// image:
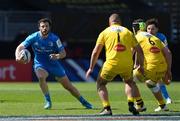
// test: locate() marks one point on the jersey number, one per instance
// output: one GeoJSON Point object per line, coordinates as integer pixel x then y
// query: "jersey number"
{"type": "Point", "coordinates": [153, 49]}
{"type": "Point", "coordinates": [151, 42]}
{"type": "Point", "coordinates": [119, 47]}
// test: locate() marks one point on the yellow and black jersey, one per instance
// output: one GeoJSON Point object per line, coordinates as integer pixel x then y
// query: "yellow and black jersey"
{"type": "Point", "coordinates": [118, 42]}
{"type": "Point", "coordinates": [152, 48]}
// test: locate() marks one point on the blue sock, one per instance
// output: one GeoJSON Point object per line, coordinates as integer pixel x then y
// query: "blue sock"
{"type": "Point", "coordinates": [164, 91]}
{"type": "Point", "coordinates": [47, 97]}
{"type": "Point", "coordinates": [85, 103]}
{"type": "Point", "coordinates": [81, 99]}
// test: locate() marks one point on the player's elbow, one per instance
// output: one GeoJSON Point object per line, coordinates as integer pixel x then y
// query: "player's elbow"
{"type": "Point", "coordinates": [62, 55]}
{"type": "Point", "coordinates": [170, 53]}
{"type": "Point", "coordinates": [95, 54]}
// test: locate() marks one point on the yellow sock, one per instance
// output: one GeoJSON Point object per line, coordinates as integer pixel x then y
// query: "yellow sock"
{"type": "Point", "coordinates": [139, 102]}
{"type": "Point", "coordinates": [106, 103]}
{"type": "Point", "coordinates": [130, 99]}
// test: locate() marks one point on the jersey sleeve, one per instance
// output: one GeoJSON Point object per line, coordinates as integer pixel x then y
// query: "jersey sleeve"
{"type": "Point", "coordinates": [161, 44]}
{"type": "Point", "coordinates": [28, 41]}
{"type": "Point", "coordinates": [100, 39]}
{"type": "Point", "coordinates": [163, 38]}
{"type": "Point", "coordinates": [165, 41]}
{"type": "Point", "coordinates": [59, 45]}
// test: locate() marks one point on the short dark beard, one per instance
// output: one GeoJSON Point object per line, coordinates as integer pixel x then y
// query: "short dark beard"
{"type": "Point", "coordinates": [44, 35]}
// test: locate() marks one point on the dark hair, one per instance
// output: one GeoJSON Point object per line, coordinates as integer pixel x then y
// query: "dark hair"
{"type": "Point", "coordinates": [45, 20]}
{"type": "Point", "coordinates": [138, 21]}
{"type": "Point", "coordinates": [152, 21]}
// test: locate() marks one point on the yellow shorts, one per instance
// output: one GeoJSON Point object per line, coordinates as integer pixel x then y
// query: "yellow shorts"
{"type": "Point", "coordinates": [108, 72]}
{"type": "Point", "coordinates": [154, 76]}
{"type": "Point", "coordinates": [137, 75]}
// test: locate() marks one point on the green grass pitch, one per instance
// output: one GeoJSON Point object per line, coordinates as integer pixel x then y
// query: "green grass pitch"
{"type": "Point", "coordinates": [26, 99]}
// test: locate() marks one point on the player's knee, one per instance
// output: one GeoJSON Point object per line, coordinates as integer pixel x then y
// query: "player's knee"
{"type": "Point", "coordinates": [41, 73]}
{"type": "Point", "coordinates": [155, 89]}
{"type": "Point", "coordinates": [138, 76]}
{"type": "Point", "coordinates": [101, 83]}
{"type": "Point", "coordinates": [152, 86]}
{"type": "Point", "coordinates": [135, 78]}
{"type": "Point", "coordinates": [65, 82]}
{"type": "Point", "coordinates": [68, 87]}
{"type": "Point", "coordinates": [41, 78]}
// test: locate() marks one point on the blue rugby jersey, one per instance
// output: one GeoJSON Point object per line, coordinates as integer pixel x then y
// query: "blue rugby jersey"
{"type": "Point", "coordinates": [163, 38]}
{"type": "Point", "coordinates": [43, 47]}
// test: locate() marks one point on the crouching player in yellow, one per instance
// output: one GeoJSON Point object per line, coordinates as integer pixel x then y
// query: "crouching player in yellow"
{"type": "Point", "coordinates": [157, 62]}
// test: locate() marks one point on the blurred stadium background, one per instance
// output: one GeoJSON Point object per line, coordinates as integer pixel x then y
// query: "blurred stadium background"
{"type": "Point", "coordinates": [78, 23]}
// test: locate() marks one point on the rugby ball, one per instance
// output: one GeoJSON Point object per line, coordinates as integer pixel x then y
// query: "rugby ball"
{"type": "Point", "coordinates": [26, 55]}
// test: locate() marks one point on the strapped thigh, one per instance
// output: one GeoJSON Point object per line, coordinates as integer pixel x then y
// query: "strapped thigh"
{"type": "Point", "coordinates": [41, 72]}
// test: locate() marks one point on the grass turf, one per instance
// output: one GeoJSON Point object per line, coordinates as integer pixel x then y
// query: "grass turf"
{"type": "Point", "coordinates": [26, 99]}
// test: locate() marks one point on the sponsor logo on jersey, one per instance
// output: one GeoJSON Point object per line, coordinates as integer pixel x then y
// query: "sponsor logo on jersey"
{"type": "Point", "coordinates": [120, 48]}
{"type": "Point", "coordinates": [58, 42]}
{"type": "Point", "coordinates": [154, 50]}
{"type": "Point", "coordinates": [117, 28]}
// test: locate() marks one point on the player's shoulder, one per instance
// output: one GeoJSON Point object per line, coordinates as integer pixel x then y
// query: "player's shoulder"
{"type": "Point", "coordinates": [35, 34]}
{"type": "Point", "coordinates": [32, 36]}
{"type": "Point", "coordinates": [161, 36]}
{"type": "Point", "coordinates": [117, 28]}
{"type": "Point", "coordinates": [53, 36]}
{"type": "Point", "coordinates": [144, 34]}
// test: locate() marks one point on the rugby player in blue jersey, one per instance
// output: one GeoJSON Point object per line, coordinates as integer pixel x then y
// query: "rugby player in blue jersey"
{"type": "Point", "coordinates": [48, 50]}
{"type": "Point", "coordinates": [152, 28]}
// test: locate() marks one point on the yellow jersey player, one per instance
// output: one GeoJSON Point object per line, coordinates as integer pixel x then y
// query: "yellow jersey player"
{"type": "Point", "coordinates": [157, 62]}
{"type": "Point", "coordinates": [119, 43]}
{"type": "Point", "coordinates": [152, 28]}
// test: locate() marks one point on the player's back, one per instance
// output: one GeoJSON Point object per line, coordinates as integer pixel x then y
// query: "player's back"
{"type": "Point", "coordinates": [118, 43]}
{"type": "Point", "coordinates": [152, 48]}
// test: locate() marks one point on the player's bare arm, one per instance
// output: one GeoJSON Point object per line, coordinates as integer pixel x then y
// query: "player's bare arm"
{"type": "Point", "coordinates": [168, 56]}
{"type": "Point", "coordinates": [94, 56]}
{"type": "Point", "coordinates": [140, 57]}
{"type": "Point", "coordinates": [60, 55]}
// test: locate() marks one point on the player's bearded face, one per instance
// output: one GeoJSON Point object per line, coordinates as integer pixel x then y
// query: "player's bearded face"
{"type": "Point", "coordinates": [44, 28]}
